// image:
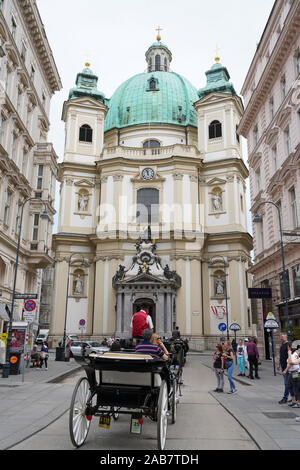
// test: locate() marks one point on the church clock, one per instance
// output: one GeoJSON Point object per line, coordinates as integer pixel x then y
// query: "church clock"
{"type": "Point", "coordinates": [148, 174]}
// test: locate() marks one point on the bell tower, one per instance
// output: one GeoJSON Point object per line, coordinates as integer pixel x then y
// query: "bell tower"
{"type": "Point", "coordinates": [84, 114]}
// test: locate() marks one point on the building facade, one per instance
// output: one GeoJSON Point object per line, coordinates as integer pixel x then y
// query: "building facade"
{"type": "Point", "coordinates": [271, 123]}
{"type": "Point", "coordinates": [28, 163]}
{"type": "Point", "coordinates": [152, 206]}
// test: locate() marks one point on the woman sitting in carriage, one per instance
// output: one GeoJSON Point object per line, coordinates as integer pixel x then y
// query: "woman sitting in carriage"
{"type": "Point", "coordinates": [148, 347]}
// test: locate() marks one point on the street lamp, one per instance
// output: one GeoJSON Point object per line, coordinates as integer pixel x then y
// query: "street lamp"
{"type": "Point", "coordinates": [6, 366]}
{"type": "Point", "coordinates": [84, 264]}
{"type": "Point", "coordinates": [211, 265]}
{"type": "Point", "coordinates": [258, 219]}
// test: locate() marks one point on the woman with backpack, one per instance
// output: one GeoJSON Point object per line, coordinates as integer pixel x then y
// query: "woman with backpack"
{"type": "Point", "coordinates": [218, 368]}
{"type": "Point", "coordinates": [228, 358]}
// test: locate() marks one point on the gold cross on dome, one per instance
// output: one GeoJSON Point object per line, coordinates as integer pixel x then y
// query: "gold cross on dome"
{"type": "Point", "coordinates": [217, 58]}
{"type": "Point", "coordinates": [158, 29]}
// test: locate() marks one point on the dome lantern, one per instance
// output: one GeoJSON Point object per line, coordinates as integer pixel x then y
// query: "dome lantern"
{"type": "Point", "coordinates": [158, 56]}
{"type": "Point", "coordinates": [86, 85]}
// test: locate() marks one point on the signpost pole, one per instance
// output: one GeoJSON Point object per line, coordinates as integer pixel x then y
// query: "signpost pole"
{"type": "Point", "coordinates": [270, 325]}
{"type": "Point", "coordinates": [273, 352]}
{"type": "Point", "coordinates": [235, 348]}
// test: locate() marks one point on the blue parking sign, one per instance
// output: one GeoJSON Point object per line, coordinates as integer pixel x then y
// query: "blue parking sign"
{"type": "Point", "coordinates": [222, 327]}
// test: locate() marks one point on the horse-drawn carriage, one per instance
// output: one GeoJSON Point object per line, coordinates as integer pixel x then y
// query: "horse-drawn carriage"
{"type": "Point", "coordinates": [125, 383]}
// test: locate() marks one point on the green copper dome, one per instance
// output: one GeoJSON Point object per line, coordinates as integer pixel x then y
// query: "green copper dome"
{"type": "Point", "coordinates": [217, 81]}
{"type": "Point", "coordinates": [156, 97]}
{"type": "Point", "coordinates": [86, 85]}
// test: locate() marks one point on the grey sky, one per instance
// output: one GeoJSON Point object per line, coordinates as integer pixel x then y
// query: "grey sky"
{"type": "Point", "coordinates": [115, 34]}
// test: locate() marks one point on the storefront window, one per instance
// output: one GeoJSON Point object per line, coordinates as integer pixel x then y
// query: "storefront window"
{"type": "Point", "coordinates": [287, 285]}
{"type": "Point", "coordinates": [296, 279]}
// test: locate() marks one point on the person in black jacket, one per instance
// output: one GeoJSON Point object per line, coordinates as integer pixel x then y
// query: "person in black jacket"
{"type": "Point", "coordinates": [218, 367]}
{"type": "Point", "coordinates": [281, 363]}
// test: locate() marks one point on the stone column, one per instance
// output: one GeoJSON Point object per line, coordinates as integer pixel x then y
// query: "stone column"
{"type": "Point", "coordinates": [127, 315]}
{"type": "Point", "coordinates": [120, 314]}
{"type": "Point", "coordinates": [168, 315]}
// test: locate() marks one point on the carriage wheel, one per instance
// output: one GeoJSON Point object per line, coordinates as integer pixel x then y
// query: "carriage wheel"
{"type": "Point", "coordinates": [174, 400]}
{"type": "Point", "coordinates": [79, 425]}
{"type": "Point", "coordinates": [162, 416]}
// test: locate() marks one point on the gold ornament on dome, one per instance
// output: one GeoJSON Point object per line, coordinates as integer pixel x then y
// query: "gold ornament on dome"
{"type": "Point", "coordinates": [158, 29]}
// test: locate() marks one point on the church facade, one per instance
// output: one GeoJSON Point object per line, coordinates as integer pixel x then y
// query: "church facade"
{"type": "Point", "coordinates": [152, 207]}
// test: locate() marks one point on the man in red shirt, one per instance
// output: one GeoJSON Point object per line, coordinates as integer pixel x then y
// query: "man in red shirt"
{"type": "Point", "coordinates": [141, 321]}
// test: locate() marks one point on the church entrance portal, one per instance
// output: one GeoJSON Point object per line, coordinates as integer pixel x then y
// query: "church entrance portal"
{"type": "Point", "coordinates": [150, 307]}
{"type": "Point", "coordinates": [146, 282]}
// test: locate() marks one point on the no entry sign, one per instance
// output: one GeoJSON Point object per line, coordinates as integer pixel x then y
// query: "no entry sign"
{"type": "Point", "coordinates": [30, 305]}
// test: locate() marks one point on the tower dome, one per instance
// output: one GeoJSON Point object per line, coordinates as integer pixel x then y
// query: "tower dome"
{"type": "Point", "coordinates": [157, 96]}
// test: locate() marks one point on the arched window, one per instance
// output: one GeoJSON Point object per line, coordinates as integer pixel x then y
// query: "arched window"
{"type": "Point", "coordinates": [151, 144]}
{"type": "Point", "coordinates": [86, 133]}
{"type": "Point", "coordinates": [215, 130]}
{"type": "Point", "coordinates": [152, 84]}
{"type": "Point", "coordinates": [157, 62]}
{"type": "Point", "coordinates": [166, 64]}
{"type": "Point", "coordinates": [147, 206]}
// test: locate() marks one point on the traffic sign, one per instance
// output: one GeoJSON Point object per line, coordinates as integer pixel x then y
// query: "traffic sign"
{"type": "Point", "coordinates": [29, 316]}
{"type": "Point", "coordinates": [222, 327]}
{"type": "Point", "coordinates": [82, 322]}
{"type": "Point", "coordinates": [30, 305]}
{"type": "Point", "coordinates": [235, 327]}
{"type": "Point", "coordinates": [26, 296]}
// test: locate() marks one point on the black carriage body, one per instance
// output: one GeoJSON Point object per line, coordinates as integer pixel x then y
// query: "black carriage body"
{"type": "Point", "coordinates": [121, 394]}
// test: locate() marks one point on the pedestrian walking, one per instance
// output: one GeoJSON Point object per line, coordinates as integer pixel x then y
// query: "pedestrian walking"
{"type": "Point", "coordinates": [176, 333]}
{"type": "Point", "coordinates": [229, 364]}
{"type": "Point", "coordinates": [218, 368]}
{"type": "Point", "coordinates": [44, 355]}
{"type": "Point", "coordinates": [281, 364]}
{"type": "Point", "coordinates": [242, 356]}
{"type": "Point", "coordinates": [292, 371]}
{"type": "Point", "coordinates": [253, 357]}
{"type": "Point", "coordinates": [246, 341]}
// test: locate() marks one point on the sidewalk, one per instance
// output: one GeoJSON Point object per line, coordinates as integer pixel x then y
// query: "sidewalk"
{"type": "Point", "coordinates": [255, 406]}
{"type": "Point", "coordinates": [29, 406]}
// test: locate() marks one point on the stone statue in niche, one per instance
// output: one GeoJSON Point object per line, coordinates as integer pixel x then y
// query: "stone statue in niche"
{"type": "Point", "coordinates": [83, 201]}
{"type": "Point", "coordinates": [217, 203]}
{"type": "Point", "coordinates": [220, 286]}
{"type": "Point", "coordinates": [78, 284]}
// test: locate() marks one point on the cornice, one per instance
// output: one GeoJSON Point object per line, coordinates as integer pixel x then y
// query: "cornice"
{"type": "Point", "coordinates": [130, 162]}
{"type": "Point", "coordinates": [227, 163]}
{"type": "Point", "coordinates": [39, 40]}
{"type": "Point", "coordinates": [269, 76]}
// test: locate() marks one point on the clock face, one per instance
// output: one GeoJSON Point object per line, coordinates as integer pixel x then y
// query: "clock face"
{"type": "Point", "coordinates": [148, 174]}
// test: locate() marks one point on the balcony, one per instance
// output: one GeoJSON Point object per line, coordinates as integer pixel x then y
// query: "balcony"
{"type": "Point", "coordinates": [39, 258]}
{"type": "Point", "coordinates": [151, 153]}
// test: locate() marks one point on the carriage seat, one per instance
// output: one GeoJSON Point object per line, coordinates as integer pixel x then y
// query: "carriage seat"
{"type": "Point", "coordinates": [116, 377]}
